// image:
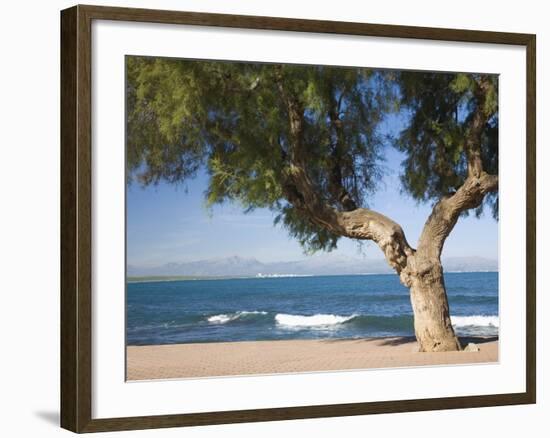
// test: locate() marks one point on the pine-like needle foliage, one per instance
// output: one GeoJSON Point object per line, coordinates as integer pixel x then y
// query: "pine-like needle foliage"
{"type": "Point", "coordinates": [232, 119]}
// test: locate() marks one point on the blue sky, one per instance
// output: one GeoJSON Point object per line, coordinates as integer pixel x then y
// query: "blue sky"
{"type": "Point", "coordinates": [168, 223]}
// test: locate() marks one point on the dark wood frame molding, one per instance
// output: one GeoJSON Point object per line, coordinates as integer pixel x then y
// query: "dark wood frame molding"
{"type": "Point", "coordinates": [76, 225]}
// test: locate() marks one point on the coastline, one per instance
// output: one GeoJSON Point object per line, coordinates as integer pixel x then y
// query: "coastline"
{"type": "Point", "coordinates": [170, 278]}
{"type": "Point", "coordinates": [158, 279]}
{"type": "Point", "coordinates": [172, 361]}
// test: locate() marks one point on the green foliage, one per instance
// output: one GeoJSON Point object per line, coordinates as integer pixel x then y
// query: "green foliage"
{"type": "Point", "coordinates": [231, 119]}
{"type": "Point", "coordinates": [461, 83]}
{"type": "Point", "coordinates": [438, 109]}
{"type": "Point", "coordinates": [310, 237]}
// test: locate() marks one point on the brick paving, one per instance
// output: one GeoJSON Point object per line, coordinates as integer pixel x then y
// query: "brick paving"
{"type": "Point", "coordinates": [271, 357]}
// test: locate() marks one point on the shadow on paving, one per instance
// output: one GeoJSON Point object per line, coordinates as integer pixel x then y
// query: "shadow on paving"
{"type": "Point", "coordinates": [401, 340]}
{"type": "Point", "coordinates": [464, 340]}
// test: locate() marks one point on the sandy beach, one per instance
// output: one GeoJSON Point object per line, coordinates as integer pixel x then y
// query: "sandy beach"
{"type": "Point", "coordinates": [270, 357]}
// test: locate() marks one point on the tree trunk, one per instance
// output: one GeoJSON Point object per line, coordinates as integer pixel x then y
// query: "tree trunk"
{"type": "Point", "coordinates": [432, 323]}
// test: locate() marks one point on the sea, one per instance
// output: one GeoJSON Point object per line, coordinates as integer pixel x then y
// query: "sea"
{"type": "Point", "coordinates": [308, 307]}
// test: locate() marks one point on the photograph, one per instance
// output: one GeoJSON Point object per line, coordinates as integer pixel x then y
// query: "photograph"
{"type": "Point", "coordinates": [271, 220]}
{"type": "Point", "coordinates": [288, 217]}
{"type": "Point", "coordinates": [291, 218]}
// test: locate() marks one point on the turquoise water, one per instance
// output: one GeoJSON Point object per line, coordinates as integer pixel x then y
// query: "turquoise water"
{"type": "Point", "coordinates": [346, 306]}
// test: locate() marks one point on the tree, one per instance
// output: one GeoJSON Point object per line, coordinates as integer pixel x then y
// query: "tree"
{"type": "Point", "coordinates": [307, 143]}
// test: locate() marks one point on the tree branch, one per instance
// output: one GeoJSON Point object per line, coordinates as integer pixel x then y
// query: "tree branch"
{"type": "Point", "coordinates": [447, 211]}
{"type": "Point", "coordinates": [335, 183]}
{"type": "Point", "coordinates": [470, 195]}
{"type": "Point", "coordinates": [360, 223]}
{"type": "Point", "coordinates": [477, 124]}
{"type": "Point", "coordinates": [366, 224]}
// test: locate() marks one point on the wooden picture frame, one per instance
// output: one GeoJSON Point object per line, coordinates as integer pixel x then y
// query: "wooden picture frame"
{"type": "Point", "coordinates": [76, 218]}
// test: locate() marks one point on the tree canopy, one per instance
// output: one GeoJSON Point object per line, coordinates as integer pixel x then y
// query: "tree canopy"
{"type": "Point", "coordinates": [441, 108]}
{"type": "Point", "coordinates": [242, 122]}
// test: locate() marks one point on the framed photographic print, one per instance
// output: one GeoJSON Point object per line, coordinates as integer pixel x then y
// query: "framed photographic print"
{"type": "Point", "coordinates": [268, 218]}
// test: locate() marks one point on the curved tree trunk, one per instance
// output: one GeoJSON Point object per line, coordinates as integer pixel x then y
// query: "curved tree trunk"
{"type": "Point", "coordinates": [432, 323]}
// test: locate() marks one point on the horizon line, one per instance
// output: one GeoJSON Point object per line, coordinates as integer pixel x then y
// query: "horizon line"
{"type": "Point", "coordinates": [253, 258]}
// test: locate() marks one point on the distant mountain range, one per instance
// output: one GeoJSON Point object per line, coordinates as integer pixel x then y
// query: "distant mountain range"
{"type": "Point", "coordinates": [326, 264]}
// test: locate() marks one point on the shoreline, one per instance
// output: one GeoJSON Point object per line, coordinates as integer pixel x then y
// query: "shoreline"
{"type": "Point", "coordinates": [159, 279]}
{"type": "Point", "coordinates": [169, 278]}
{"type": "Point", "coordinates": [172, 361]}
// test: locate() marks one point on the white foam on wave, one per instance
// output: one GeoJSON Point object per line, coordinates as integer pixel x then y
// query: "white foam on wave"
{"type": "Point", "coordinates": [227, 317]}
{"type": "Point", "coordinates": [475, 320]}
{"type": "Point", "coordinates": [222, 319]}
{"type": "Point", "coordinates": [319, 320]}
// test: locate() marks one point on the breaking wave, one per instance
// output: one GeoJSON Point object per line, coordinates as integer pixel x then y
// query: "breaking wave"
{"type": "Point", "coordinates": [228, 317]}
{"type": "Point", "coordinates": [319, 320]}
{"type": "Point", "coordinates": [475, 320]}
{"type": "Point", "coordinates": [464, 325]}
